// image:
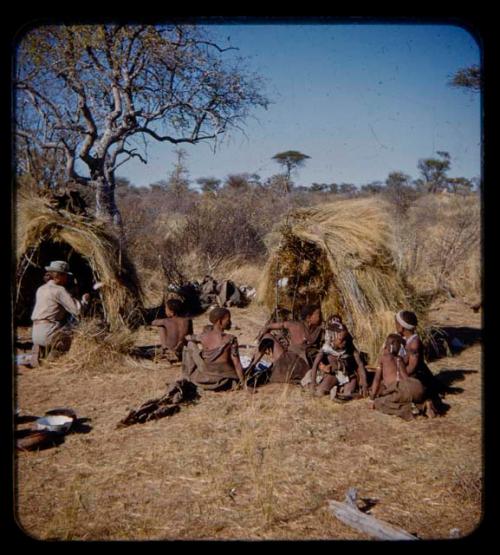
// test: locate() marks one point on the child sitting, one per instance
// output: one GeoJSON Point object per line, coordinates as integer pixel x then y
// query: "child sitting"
{"type": "Point", "coordinates": [173, 330]}
{"type": "Point", "coordinates": [393, 391]}
{"type": "Point", "coordinates": [339, 364]}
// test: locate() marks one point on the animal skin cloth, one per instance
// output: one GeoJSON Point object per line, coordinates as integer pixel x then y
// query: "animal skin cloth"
{"type": "Point", "coordinates": [398, 397]}
{"type": "Point", "coordinates": [199, 367]}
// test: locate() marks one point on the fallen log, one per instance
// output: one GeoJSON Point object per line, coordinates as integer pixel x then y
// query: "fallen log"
{"type": "Point", "coordinates": [348, 513]}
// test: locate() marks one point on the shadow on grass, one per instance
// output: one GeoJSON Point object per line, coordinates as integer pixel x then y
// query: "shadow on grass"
{"type": "Point", "coordinates": [149, 352]}
{"type": "Point", "coordinates": [448, 377]}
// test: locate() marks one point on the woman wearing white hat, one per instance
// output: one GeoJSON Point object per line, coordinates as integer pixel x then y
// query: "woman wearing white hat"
{"type": "Point", "coordinates": [53, 303]}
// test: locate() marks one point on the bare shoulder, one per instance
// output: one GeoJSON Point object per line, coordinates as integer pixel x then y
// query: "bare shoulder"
{"type": "Point", "coordinates": [415, 340]}
{"type": "Point", "coordinates": [414, 345]}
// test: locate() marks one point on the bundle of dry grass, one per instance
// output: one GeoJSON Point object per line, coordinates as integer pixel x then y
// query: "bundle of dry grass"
{"type": "Point", "coordinates": [96, 349]}
{"type": "Point", "coordinates": [94, 252]}
{"type": "Point", "coordinates": [339, 255]}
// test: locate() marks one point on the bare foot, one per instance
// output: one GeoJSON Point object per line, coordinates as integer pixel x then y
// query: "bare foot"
{"type": "Point", "coordinates": [430, 410]}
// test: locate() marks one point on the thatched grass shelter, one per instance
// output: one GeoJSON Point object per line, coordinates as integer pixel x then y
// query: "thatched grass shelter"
{"type": "Point", "coordinates": [93, 251]}
{"type": "Point", "coordinates": [339, 255]}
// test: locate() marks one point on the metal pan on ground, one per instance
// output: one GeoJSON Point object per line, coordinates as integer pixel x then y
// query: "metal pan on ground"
{"type": "Point", "coordinates": [62, 410]}
{"type": "Point", "coordinates": [59, 423]}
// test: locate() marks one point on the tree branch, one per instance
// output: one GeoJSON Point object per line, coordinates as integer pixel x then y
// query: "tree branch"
{"type": "Point", "coordinates": [170, 139]}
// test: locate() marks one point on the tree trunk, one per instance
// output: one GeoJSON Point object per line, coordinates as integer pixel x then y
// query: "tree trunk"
{"type": "Point", "coordinates": [106, 208]}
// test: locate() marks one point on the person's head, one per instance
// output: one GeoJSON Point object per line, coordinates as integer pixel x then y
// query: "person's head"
{"type": "Point", "coordinates": [335, 319]}
{"type": "Point", "coordinates": [393, 343]}
{"type": "Point", "coordinates": [311, 314]}
{"type": "Point", "coordinates": [58, 271]}
{"type": "Point", "coordinates": [173, 307]}
{"type": "Point", "coordinates": [406, 321]}
{"type": "Point", "coordinates": [338, 336]}
{"type": "Point", "coordinates": [222, 317]}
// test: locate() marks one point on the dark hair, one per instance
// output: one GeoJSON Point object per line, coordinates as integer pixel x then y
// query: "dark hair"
{"type": "Point", "coordinates": [394, 340]}
{"type": "Point", "coordinates": [409, 317]}
{"type": "Point", "coordinates": [217, 314]}
{"type": "Point", "coordinates": [307, 310]}
{"type": "Point", "coordinates": [175, 305]}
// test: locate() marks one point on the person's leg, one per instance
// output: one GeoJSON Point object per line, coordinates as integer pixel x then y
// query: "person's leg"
{"type": "Point", "coordinates": [36, 354]}
{"type": "Point", "coordinates": [430, 409]}
{"type": "Point", "coordinates": [349, 387]}
{"type": "Point", "coordinates": [328, 381]}
{"type": "Point", "coordinates": [40, 337]}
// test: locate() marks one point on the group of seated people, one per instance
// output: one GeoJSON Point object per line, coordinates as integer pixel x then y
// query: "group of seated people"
{"type": "Point", "coordinates": [319, 355]}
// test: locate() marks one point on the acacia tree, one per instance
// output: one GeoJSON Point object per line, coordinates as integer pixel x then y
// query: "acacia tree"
{"type": "Point", "coordinates": [290, 160]}
{"type": "Point", "coordinates": [434, 171]}
{"type": "Point", "coordinates": [97, 93]}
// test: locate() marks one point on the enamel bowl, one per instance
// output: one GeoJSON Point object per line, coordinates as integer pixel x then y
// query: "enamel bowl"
{"type": "Point", "coordinates": [54, 423]}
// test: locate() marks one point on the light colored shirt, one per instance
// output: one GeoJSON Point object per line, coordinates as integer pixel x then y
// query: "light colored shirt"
{"type": "Point", "coordinates": [53, 302]}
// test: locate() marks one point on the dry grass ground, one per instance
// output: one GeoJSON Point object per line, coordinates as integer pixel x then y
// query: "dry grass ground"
{"type": "Point", "coordinates": [242, 466]}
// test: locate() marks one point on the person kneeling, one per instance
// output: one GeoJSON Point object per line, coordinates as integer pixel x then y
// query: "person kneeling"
{"type": "Point", "coordinates": [53, 305]}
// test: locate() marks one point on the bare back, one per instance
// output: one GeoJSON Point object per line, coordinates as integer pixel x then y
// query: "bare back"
{"type": "Point", "coordinates": [213, 341]}
{"type": "Point", "coordinates": [300, 335]}
{"type": "Point", "coordinates": [393, 369]}
{"type": "Point", "coordinates": [176, 329]}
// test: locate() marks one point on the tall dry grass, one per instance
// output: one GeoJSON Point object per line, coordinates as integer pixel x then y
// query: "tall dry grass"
{"type": "Point", "coordinates": [438, 245]}
{"type": "Point", "coordinates": [340, 255]}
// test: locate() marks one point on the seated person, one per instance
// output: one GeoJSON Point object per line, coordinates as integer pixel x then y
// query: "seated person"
{"type": "Point", "coordinates": [339, 365]}
{"type": "Point", "coordinates": [173, 330]}
{"type": "Point", "coordinates": [208, 292]}
{"type": "Point", "coordinates": [291, 345]}
{"type": "Point", "coordinates": [217, 366]}
{"type": "Point", "coordinates": [53, 305]}
{"type": "Point", "coordinates": [393, 391]}
{"type": "Point", "coordinates": [412, 352]}
{"type": "Point", "coordinates": [228, 294]}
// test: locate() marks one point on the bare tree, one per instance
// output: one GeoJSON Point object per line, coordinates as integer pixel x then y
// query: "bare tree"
{"type": "Point", "coordinates": [97, 93]}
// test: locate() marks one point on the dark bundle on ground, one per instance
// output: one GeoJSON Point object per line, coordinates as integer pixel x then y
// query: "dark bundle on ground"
{"type": "Point", "coordinates": [46, 232]}
{"type": "Point", "coordinates": [181, 391]}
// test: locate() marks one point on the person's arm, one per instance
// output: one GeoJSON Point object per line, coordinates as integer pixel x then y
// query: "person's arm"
{"type": "Point", "coordinates": [361, 372]}
{"type": "Point", "coordinates": [271, 326]}
{"type": "Point", "coordinates": [413, 357]}
{"type": "Point", "coordinates": [235, 357]}
{"type": "Point", "coordinates": [403, 372]}
{"type": "Point", "coordinates": [314, 370]}
{"type": "Point", "coordinates": [69, 303]}
{"type": "Point", "coordinates": [376, 381]}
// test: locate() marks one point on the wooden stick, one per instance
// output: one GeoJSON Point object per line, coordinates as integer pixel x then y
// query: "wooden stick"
{"type": "Point", "coordinates": [349, 514]}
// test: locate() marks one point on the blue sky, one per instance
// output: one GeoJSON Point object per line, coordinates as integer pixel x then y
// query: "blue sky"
{"type": "Point", "coordinates": [360, 100]}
